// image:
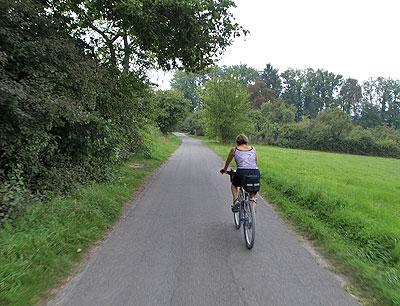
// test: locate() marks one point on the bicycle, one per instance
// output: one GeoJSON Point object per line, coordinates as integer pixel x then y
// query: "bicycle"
{"type": "Point", "coordinates": [246, 215]}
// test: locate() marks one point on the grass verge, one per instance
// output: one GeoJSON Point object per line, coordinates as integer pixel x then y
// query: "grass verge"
{"type": "Point", "coordinates": [45, 243]}
{"type": "Point", "coordinates": [348, 205]}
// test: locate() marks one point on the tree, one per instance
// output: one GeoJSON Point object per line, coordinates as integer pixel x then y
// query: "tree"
{"type": "Point", "coordinates": [270, 77]}
{"type": "Point", "coordinates": [171, 108]}
{"type": "Point", "coordinates": [293, 86]}
{"type": "Point", "coordinates": [310, 91]}
{"type": "Point", "coordinates": [188, 84]}
{"type": "Point", "coordinates": [260, 93]}
{"type": "Point", "coordinates": [278, 112]}
{"type": "Point", "coordinates": [226, 107]}
{"type": "Point", "coordinates": [350, 97]}
{"type": "Point", "coordinates": [320, 91]}
{"type": "Point", "coordinates": [329, 129]}
{"type": "Point", "coordinates": [193, 124]}
{"type": "Point", "coordinates": [385, 95]}
{"type": "Point", "coordinates": [370, 116]}
{"type": "Point", "coordinates": [176, 34]}
{"type": "Point", "coordinates": [246, 75]}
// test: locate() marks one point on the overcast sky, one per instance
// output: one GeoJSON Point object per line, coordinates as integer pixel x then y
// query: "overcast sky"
{"type": "Point", "coordinates": [354, 38]}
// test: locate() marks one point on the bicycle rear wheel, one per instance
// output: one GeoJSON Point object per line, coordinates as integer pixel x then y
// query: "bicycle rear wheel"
{"type": "Point", "coordinates": [249, 226]}
{"type": "Point", "coordinates": [237, 216]}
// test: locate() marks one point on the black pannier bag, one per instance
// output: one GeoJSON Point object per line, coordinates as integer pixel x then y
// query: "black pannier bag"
{"type": "Point", "coordinates": [251, 183]}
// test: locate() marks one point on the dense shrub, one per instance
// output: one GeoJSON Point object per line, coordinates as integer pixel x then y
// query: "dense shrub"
{"type": "Point", "coordinates": [192, 124]}
{"type": "Point", "coordinates": [64, 118]}
{"type": "Point", "coordinates": [171, 107]}
{"type": "Point", "coordinates": [332, 131]}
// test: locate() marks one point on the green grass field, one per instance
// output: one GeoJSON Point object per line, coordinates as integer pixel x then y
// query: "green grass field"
{"type": "Point", "coordinates": [45, 243]}
{"type": "Point", "coordinates": [348, 205]}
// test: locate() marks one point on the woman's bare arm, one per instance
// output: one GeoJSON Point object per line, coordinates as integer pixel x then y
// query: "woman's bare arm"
{"type": "Point", "coordinates": [229, 159]}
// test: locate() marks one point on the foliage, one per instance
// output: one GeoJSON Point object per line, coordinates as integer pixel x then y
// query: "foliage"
{"type": "Point", "coordinates": [177, 34]}
{"type": "Point", "coordinates": [225, 108]}
{"type": "Point", "coordinates": [320, 91]}
{"type": "Point", "coordinates": [40, 248]}
{"type": "Point", "coordinates": [328, 129]}
{"type": "Point", "coordinates": [331, 131]}
{"type": "Point", "coordinates": [384, 94]}
{"type": "Point", "coordinates": [193, 124]}
{"type": "Point", "coordinates": [260, 93]}
{"type": "Point", "coordinates": [350, 97]}
{"type": "Point", "coordinates": [271, 79]}
{"type": "Point", "coordinates": [171, 108]}
{"type": "Point", "coordinates": [70, 106]}
{"type": "Point", "coordinates": [188, 83]}
{"type": "Point", "coordinates": [326, 108]}
{"type": "Point", "coordinates": [245, 75]}
{"type": "Point", "coordinates": [293, 84]}
{"type": "Point", "coordinates": [278, 112]}
{"type": "Point", "coordinates": [51, 134]}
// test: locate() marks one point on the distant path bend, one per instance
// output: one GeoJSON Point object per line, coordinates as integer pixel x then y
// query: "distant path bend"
{"type": "Point", "coordinates": [178, 246]}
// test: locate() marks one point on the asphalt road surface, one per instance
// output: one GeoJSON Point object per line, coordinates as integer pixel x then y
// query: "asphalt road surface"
{"type": "Point", "coordinates": [178, 246]}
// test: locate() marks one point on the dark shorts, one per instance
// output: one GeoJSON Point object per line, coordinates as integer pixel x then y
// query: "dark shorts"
{"type": "Point", "coordinates": [241, 173]}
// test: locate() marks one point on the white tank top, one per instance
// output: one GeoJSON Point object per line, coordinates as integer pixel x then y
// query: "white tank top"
{"type": "Point", "coordinates": [246, 159]}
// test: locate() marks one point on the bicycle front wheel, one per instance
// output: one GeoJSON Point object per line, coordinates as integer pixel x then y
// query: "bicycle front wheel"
{"type": "Point", "coordinates": [249, 225]}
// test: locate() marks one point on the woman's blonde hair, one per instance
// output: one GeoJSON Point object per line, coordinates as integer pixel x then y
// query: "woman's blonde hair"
{"type": "Point", "coordinates": [241, 139]}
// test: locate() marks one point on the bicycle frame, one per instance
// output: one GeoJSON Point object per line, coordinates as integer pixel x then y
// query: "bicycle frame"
{"type": "Point", "coordinates": [246, 215]}
{"type": "Point", "coordinates": [242, 210]}
{"type": "Point", "coordinates": [246, 197]}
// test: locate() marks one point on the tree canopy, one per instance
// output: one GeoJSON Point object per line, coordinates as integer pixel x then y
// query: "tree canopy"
{"type": "Point", "coordinates": [188, 34]}
{"type": "Point", "coordinates": [74, 96]}
{"type": "Point", "coordinates": [225, 102]}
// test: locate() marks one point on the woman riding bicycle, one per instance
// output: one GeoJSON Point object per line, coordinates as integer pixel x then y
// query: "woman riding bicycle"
{"type": "Point", "coordinates": [246, 161]}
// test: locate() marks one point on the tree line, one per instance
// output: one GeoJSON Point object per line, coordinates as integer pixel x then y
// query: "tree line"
{"type": "Point", "coordinates": [306, 109]}
{"type": "Point", "coordinates": [75, 100]}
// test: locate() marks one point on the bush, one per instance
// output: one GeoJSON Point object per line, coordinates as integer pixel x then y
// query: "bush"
{"type": "Point", "coordinates": [192, 124]}
{"type": "Point", "coordinates": [64, 118]}
{"type": "Point", "coordinates": [171, 108]}
{"type": "Point", "coordinates": [332, 131]}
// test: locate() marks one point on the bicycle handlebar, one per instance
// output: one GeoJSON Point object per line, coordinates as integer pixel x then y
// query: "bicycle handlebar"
{"type": "Point", "coordinates": [230, 172]}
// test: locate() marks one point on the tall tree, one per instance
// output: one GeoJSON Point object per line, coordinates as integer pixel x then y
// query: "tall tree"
{"type": "Point", "coordinates": [226, 108]}
{"type": "Point", "coordinates": [385, 95]}
{"type": "Point", "coordinates": [176, 34]}
{"type": "Point", "coordinates": [246, 75]}
{"type": "Point", "coordinates": [293, 87]}
{"type": "Point", "coordinates": [260, 93]}
{"type": "Point", "coordinates": [350, 97]}
{"type": "Point", "coordinates": [321, 91]}
{"type": "Point", "coordinates": [270, 77]}
{"type": "Point", "coordinates": [370, 116]}
{"type": "Point", "coordinates": [188, 84]}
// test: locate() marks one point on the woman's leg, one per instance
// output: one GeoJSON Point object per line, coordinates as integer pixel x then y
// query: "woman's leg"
{"type": "Point", "coordinates": [235, 191]}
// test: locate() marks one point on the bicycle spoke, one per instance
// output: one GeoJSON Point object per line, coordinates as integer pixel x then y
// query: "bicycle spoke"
{"type": "Point", "coordinates": [249, 225]}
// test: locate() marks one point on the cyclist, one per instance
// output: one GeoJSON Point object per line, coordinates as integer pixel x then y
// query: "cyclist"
{"type": "Point", "coordinates": [246, 161]}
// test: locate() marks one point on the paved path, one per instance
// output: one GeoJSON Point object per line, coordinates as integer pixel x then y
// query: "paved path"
{"type": "Point", "coordinates": [178, 246]}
